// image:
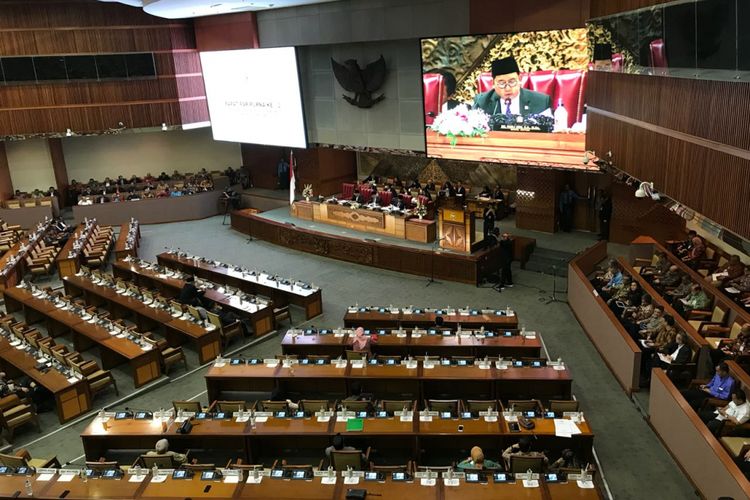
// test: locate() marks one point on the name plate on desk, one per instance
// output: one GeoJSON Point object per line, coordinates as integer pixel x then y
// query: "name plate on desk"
{"type": "Point", "coordinates": [411, 364]}
{"type": "Point", "coordinates": [429, 364]}
{"type": "Point", "coordinates": [358, 363]}
{"type": "Point", "coordinates": [529, 335]}
{"type": "Point", "coordinates": [271, 363]}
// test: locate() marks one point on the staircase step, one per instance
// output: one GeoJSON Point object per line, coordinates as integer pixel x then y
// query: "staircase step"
{"type": "Point", "coordinates": [552, 253]}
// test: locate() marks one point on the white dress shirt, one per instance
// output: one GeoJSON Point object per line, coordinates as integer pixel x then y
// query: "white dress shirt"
{"type": "Point", "coordinates": [740, 412]}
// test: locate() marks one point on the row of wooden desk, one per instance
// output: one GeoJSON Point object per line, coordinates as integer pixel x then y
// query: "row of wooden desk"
{"type": "Point", "coordinates": [113, 350]}
{"type": "Point", "coordinates": [393, 343]}
{"type": "Point", "coordinates": [270, 489]}
{"type": "Point", "coordinates": [383, 317]}
{"type": "Point", "coordinates": [311, 300]}
{"type": "Point", "coordinates": [123, 247]}
{"type": "Point", "coordinates": [396, 381]}
{"type": "Point", "coordinates": [259, 314]}
{"type": "Point", "coordinates": [206, 339]}
{"type": "Point", "coordinates": [72, 396]}
{"type": "Point", "coordinates": [262, 441]}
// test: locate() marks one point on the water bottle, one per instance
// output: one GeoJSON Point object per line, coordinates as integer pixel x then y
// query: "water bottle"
{"type": "Point", "coordinates": [561, 117]}
{"type": "Point", "coordinates": [27, 488]}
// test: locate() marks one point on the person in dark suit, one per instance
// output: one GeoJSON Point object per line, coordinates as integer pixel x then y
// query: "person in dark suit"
{"type": "Point", "coordinates": [677, 353]}
{"type": "Point", "coordinates": [415, 184]}
{"type": "Point", "coordinates": [189, 294]}
{"type": "Point", "coordinates": [397, 202]}
{"type": "Point", "coordinates": [357, 197]}
{"type": "Point", "coordinates": [506, 259]}
{"type": "Point", "coordinates": [507, 97]}
{"type": "Point", "coordinates": [376, 199]}
{"type": "Point", "coordinates": [489, 220]}
{"type": "Point", "coordinates": [426, 193]}
{"type": "Point", "coordinates": [460, 191]}
{"type": "Point", "coordinates": [605, 215]}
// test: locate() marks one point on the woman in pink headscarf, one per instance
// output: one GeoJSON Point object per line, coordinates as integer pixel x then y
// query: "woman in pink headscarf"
{"type": "Point", "coordinates": [361, 342]}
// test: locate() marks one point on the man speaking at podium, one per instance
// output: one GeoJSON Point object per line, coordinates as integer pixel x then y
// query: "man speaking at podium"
{"type": "Point", "coordinates": [507, 97]}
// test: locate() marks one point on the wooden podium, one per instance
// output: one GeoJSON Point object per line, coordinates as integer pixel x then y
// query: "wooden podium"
{"type": "Point", "coordinates": [456, 229]}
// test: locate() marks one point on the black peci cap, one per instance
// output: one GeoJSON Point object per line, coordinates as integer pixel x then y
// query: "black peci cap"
{"type": "Point", "coordinates": [504, 66]}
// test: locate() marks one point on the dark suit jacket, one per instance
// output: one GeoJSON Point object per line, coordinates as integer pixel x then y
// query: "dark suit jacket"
{"type": "Point", "coordinates": [531, 102]}
{"type": "Point", "coordinates": [684, 355]}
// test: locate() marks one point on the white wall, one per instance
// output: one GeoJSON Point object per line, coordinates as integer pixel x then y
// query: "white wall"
{"type": "Point", "coordinates": [127, 154]}
{"type": "Point", "coordinates": [30, 164]}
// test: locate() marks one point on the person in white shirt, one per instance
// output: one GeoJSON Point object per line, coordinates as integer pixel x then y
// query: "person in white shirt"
{"type": "Point", "coordinates": [737, 412]}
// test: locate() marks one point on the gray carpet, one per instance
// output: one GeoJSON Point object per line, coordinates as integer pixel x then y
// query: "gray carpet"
{"type": "Point", "coordinates": [633, 461]}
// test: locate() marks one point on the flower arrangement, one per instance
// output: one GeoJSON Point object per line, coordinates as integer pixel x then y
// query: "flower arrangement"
{"type": "Point", "coordinates": [461, 121]}
{"type": "Point", "coordinates": [307, 192]}
{"type": "Point", "coordinates": [354, 205]}
{"type": "Point", "coordinates": [420, 209]}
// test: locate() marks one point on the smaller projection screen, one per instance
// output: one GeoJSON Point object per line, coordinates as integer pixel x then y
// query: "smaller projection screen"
{"type": "Point", "coordinates": [254, 96]}
{"type": "Point", "coordinates": [514, 98]}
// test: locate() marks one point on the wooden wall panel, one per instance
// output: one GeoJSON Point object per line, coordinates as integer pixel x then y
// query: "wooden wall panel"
{"type": "Point", "coordinates": [633, 216]}
{"type": "Point", "coordinates": [713, 183]}
{"type": "Point", "coordinates": [227, 32]}
{"type": "Point", "coordinates": [713, 110]}
{"type": "Point", "coordinates": [601, 8]}
{"type": "Point", "coordinates": [538, 211]}
{"type": "Point", "coordinates": [39, 27]}
{"type": "Point", "coordinates": [491, 16]}
{"type": "Point", "coordinates": [262, 161]}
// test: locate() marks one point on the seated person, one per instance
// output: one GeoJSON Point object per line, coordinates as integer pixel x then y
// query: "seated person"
{"type": "Point", "coordinates": [414, 184]}
{"type": "Point", "coordinates": [375, 198]}
{"type": "Point", "coordinates": [696, 252]}
{"type": "Point", "coordinates": [736, 347]}
{"type": "Point", "coordinates": [615, 281]}
{"type": "Point", "coordinates": [362, 342]}
{"type": "Point", "coordinates": [486, 192]}
{"type": "Point", "coordinates": [654, 344]}
{"type": "Point", "coordinates": [734, 268]}
{"type": "Point", "coordinates": [682, 290]}
{"type": "Point", "coordinates": [447, 190]}
{"type": "Point", "coordinates": [696, 300]}
{"type": "Point", "coordinates": [460, 191]}
{"type": "Point", "coordinates": [677, 353]}
{"type": "Point", "coordinates": [163, 176]}
{"type": "Point", "coordinates": [736, 412]}
{"type": "Point", "coordinates": [430, 186]}
{"type": "Point", "coordinates": [189, 294]}
{"type": "Point", "coordinates": [164, 193]}
{"type": "Point", "coordinates": [650, 326]}
{"type": "Point", "coordinates": [719, 387]}
{"type": "Point", "coordinates": [630, 290]}
{"type": "Point", "coordinates": [338, 445]}
{"type": "Point", "coordinates": [357, 197]}
{"type": "Point", "coordinates": [522, 449]}
{"type": "Point", "coordinates": [671, 278]}
{"type": "Point", "coordinates": [643, 311]}
{"type": "Point", "coordinates": [357, 394]}
{"type": "Point", "coordinates": [426, 194]}
{"type": "Point", "coordinates": [498, 194]}
{"type": "Point", "coordinates": [681, 248]}
{"type": "Point", "coordinates": [568, 460]}
{"type": "Point", "coordinates": [133, 195]}
{"type": "Point", "coordinates": [738, 286]}
{"type": "Point", "coordinates": [477, 461]}
{"type": "Point", "coordinates": [162, 449]}
{"type": "Point", "coordinates": [398, 202]}
{"type": "Point", "coordinates": [659, 268]}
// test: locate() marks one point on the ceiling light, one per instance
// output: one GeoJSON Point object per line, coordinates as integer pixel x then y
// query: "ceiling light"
{"type": "Point", "coordinates": [68, 133]}
{"type": "Point", "coordinates": [164, 127]}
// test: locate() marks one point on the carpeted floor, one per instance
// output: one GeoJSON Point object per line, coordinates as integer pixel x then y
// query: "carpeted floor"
{"type": "Point", "coordinates": [634, 463]}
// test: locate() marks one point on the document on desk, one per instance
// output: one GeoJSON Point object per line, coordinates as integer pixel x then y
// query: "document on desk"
{"type": "Point", "coordinates": [45, 477]}
{"type": "Point", "coordinates": [566, 428]}
{"type": "Point", "coordinates": [66, 478]}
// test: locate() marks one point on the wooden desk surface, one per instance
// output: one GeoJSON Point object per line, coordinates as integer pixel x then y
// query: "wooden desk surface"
{"type": "Point", "coordinates": [492, 321]}
{"type": "Point", "coordinates": [52, 380]}
{"type": "Point", "coordinates": [274, 489]}
{"type": "Point", "coordinates": [122, 346]}
{"type": "Point", "coordinates": [387, 371]}
{"type": "Point", "coordinates": [170, 259]}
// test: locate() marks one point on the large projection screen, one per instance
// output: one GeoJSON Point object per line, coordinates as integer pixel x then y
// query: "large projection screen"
{"type": "Point", "coordinates": [516, 98]}
{"type": "Point", "coordinates": [254, 96]}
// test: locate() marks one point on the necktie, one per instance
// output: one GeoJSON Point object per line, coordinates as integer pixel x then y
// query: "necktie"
{"type": "Point", "coordinates": [507, 107]}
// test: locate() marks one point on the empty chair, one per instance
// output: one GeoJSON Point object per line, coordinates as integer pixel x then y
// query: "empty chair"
{"type": "Point", "coordinates": [282, 313]}
{"type": "Point", "coordinates": [318, 357]}
{"type": "Point", "coordinates": [344, 459]}
{"type": "Point", "coordinates": [561, 406]}
{"type": "Point", "coordinates": [228, 406]}
{"type": "Point", "coordinates": [16, 412]}
{"type": "Point", "coordinates": [273, 406]}
{"type": "Point", "coordinates": [396, 405]}
{"type": "Point", "coordinates": [102, 465]}
{"type": "Point", "coordinates": [443, 405]}
{"type": "Point", "coordinates": [477, 405]}
{"type": "Point", "coordinates": [524, 405]}
{"type": "Point", "coordinates": [227, 332]}
{"type": "Point", "coordinates": [313, 405]}
{"type": "Point", "coordinates": [386, 359]}
{"type": "Point", "coordinates": [389, 469]}
{"type": "Point", "coordinates": [438, 468]}
{"type": "Point", "coordinates": [199, 467]}
{"type": "Point", "coordinates": [193, 406]}
{"type": "Point", "coordinates": [22, 458]}
{"type": "Point", "coordinates": [355, 355]}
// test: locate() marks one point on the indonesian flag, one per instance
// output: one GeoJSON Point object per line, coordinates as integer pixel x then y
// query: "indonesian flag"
{"type": "Point", "coordinates": [292, 180]}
